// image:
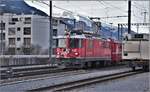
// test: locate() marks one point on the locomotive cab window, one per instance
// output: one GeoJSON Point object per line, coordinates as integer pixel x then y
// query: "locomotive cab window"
{"type": "Point", "coordinates": [125, 54]}
{"type": "Point", "coordinates": [75, 43]}
{"type": "Point", "coordinates": [62, 43]}
{"type": "Point", "coordinates": [59, 43]}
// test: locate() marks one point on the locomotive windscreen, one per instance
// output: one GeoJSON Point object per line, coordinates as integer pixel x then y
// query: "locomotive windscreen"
{"type": "Point", "coordinates": [60, 43]}
{"type": "Point", "coordinates": [75, 43]}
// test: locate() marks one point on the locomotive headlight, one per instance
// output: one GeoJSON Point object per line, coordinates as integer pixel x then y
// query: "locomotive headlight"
{"type": "Point", "coordinates": [58, 53]}
{"type": "Point", "coordinates": [76, 53]}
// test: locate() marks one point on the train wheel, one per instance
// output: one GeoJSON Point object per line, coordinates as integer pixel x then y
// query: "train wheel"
{"type": "Point", "coordinates": [146, 68]}
{"type": "Point", "coordinates": [89, 64]}
{"type": "Point", "coordinates": [86, 65]}
{"type": "Point", "coordinates": [93, 64]}
{"type": "Point", "coordinates": [102, 63]}
{"type": "Point", "coordinates": [97, 64]}
{"type": "Point", "coordinates": [113, 63]}
{"type": "Point", "coordinates": [133, 68]}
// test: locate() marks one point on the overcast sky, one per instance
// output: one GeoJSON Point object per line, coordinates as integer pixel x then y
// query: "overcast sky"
{"type": "Point", "coordinates": [101, 9]}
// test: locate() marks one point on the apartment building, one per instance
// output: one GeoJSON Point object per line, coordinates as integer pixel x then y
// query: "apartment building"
{"type": "Point", "coordinates": [21, 33]}
{"type": "Point", "coordinates": [27, 34]}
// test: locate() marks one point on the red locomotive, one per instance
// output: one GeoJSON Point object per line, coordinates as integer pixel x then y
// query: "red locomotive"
{"type": "Point", "coordinates": [85, 50]}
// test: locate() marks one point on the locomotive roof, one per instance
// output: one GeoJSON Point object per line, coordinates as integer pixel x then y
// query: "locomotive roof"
{"type": "Point", "coordinates": [74, 36]}
{"type": "Point", "coordinates": [78, 36]}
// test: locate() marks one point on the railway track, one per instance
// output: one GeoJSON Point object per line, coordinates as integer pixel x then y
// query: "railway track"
{"type": "Point", "coordinates": [44, 73]}
{"type": "Point", "coordinates": [45, 76]}
{"type": "Point", "coordinates": [25, 68]}
{"type": "Point", "coordinates": [27, 72]}
{"type": "Point", "coordinates": [16, 72]}
{"type": "Point", "coordinates": [70, 85]}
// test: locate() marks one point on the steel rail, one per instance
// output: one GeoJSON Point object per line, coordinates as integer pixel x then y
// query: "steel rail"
{"type": "Point", "coordinates": [70, 85]}
{"type": "Point", "coordinates": [45, 76]}
{"type": "Point", "coordinates": [19, 77]}
{"type": "Point", "coordinates": [31, 72]}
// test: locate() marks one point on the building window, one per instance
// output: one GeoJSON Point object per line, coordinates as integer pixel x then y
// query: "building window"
{"type": "Point", "coordinates": [2, 26]}
{"type": "Point", "coordinates": [11, 41]}
{"type": "Point", "coordinates": [27, 20]}
{"type": "Point", "coordinates": [12, 23]}
{"type": "Point", "coordinates": [2, 36]}
{"type": "Point", "coordinates": [12, 51]}
{"type": "Point", "coordinates": [18, 49]}
{"type": "Point", "coordinates": [14, 19]}
{"type": "Point", "coordinates": [27, 31]}
{"type": "Point", "coordinates": [54, 32]}
{"type": "Point", "coordinates": [27, 41]}
{"type": "Point", "coordinates": [11, 31]}
{"type": "Point", "coordinates": [27, 51]}
{"type": "Point", "coordinates": [55, 22]}
{"type": "Point", "coordinates": [18, 39]}
{"type": "Point", "coordinates": [2, 46]}
{"type": "Point", "coordinates": [20, 19]}
{"type": "Point", "coordinates": [18, 29]}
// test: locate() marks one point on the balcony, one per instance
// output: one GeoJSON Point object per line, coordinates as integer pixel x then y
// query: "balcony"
{"type": "Point", "coordinates": [27, 31]}
{"type": "Point", "coordinates": [27, 42]}
{"type": "Point", "coordinates": [12, 23]}
{"type": "Point", "coordinates": [11, 45]}
{"type": "Point", "coordinates": [11, 42]}
{"type": "Point", "coordinates": [27, 22]}
{"type": "Point", "coordinates": [26, 45]}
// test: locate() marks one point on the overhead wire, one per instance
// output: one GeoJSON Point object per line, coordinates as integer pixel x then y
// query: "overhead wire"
{"type": "Point", "coordinates": [139, 18]}
{"type": "Point", "coordinates": [104, 4]}
{"type": "Point", "coordinates": [106, 8]}
{"type": "Point", "coordinates": [118, 8]}
{"type": "Point", "coordinates": [141, 6]}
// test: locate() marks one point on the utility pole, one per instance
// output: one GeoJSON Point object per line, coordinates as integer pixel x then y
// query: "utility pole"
{"type": "Point", "coordinates": [129, 16]}
{"type": "Point", "coordinates": [118, 32]}
{"type": "Point", "coordinates": [121, 32]}
{"type": "Point", "coordinates": [1, 28]}
{"type": "Point", "coordinates": [144, 14]}
{"type": "Point", "coordinates": [50, 33]}
{"type": "Point", "coordinates": [137, 28]}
